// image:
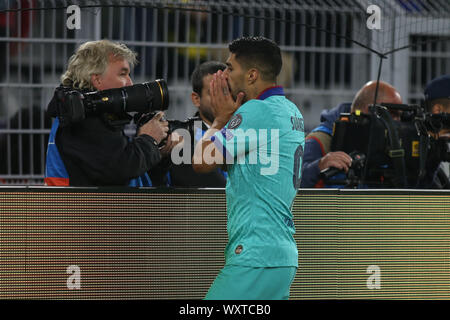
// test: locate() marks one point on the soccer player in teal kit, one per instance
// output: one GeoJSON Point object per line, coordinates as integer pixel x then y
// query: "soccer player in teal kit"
{"type": "Point", "coordinates": [259, 135]}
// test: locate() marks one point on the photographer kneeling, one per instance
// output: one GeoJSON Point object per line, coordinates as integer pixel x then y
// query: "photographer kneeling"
{"type": "Point", "coordinates": [95, 151]}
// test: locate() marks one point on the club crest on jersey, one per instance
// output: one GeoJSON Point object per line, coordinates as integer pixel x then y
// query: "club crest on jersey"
{"type": "Point", "coordinates": [235, 121]}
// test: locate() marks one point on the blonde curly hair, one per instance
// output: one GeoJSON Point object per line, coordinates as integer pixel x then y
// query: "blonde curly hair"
{"type": "Point", "coordinates": [92, 58]}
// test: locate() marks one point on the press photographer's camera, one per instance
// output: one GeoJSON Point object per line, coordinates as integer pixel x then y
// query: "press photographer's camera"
{"type": "Point", "coordinates": [189, 124]}
{"type": "Point", "coordinates": [74, 106]}
{"type": "Point", "coordinates": [142, 118]}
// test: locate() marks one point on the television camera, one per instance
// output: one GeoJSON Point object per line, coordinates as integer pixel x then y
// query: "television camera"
{"type": "Point", "coordinates": [388, 153]}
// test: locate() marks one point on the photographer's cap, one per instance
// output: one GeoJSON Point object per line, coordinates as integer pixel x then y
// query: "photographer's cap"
{"type": "Point", "coordinates": [438, 88]}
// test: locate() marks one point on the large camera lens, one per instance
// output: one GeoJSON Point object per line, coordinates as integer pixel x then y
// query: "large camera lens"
{"type": "Point", "coordinates": [143, 97]}
{"type": "Point", "coordinates": [160, 93]}
{"type": "Point", "coordinates": [147, 97]}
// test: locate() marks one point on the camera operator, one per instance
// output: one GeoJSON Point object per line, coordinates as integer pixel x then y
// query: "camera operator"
{"type": "Point", "coordinates": [437, 100]}
{"type": "Point", "coordinates": [183, 175]}
{"type": "Point", "coordinates": [95, 151]}
{"type": "Point", "coordinates": [317, 156]}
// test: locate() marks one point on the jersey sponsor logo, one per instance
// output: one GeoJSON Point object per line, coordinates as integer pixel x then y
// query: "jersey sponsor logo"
{"type": "Point", "coordinates": [235, 121]}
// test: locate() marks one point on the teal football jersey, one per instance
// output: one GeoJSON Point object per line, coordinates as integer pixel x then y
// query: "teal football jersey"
{"type": "Point", "coordinates": [263, 145]}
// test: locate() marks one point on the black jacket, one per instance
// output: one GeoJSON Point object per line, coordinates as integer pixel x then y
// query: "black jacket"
{"type": "Point", "coordinates": [98, 154]}
{"type": "Point", "coordinates": [183, 175]}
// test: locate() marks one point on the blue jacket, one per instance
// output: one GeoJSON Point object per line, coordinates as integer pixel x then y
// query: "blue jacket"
{"type": "Point", "coordinates": [316, 148]}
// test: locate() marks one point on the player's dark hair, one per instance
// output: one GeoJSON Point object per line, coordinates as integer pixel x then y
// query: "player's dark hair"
{"type": "Point", "coordinates": [260, 53]}
{"type": "Point", "coordinates": [202, 70]}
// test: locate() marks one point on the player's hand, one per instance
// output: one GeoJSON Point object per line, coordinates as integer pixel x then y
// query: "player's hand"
{"type": "Point", "coordinates": [222, 102]}
{"type": "Point", "coordinates": [156, 128]}
{"type": "Point", "coordinates": [338, 159]}
{"type": "Point", "coordinates": [172, 140]}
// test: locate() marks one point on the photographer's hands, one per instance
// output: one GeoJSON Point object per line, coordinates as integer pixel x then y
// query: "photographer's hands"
{"type": "Point", "coordinates": [338, 159]}
{"type": "Point", "coordinates": [172, 140]}
{"type": "Point", "coordinates": [156, 128]}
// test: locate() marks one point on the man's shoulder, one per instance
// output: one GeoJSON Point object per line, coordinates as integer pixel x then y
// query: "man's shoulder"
{"type": "Point", "coordinates": [321, 135]}
{"type": "Point", "coordinates": [251, 105]}
{"type": "Point", "coordinates": [269, 106]}
{"type": "Point", "coordinates": [278, 103]}
{"type": "Point", "coordinates": [248, 115]}
{"type": "Point", "coordinates": [329, 116]}
{"type": "Point", "coordinates": [322, 138]}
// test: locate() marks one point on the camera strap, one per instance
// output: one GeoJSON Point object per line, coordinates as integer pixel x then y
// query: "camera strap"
{"type": "Point", "coordinates": [395, 152]}
{"type": "Point", "coordinates": [424, 143]}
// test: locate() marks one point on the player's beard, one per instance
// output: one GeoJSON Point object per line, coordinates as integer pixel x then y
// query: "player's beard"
{"type": "Point", "coordinates": [234, 93]}
{"type": "Point", "coordinates": [207, 113]}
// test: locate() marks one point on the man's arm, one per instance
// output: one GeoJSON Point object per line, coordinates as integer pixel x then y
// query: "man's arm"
{"type": "Point", "coordinates": [139, 155]}
{"type": "Point", "coordinates": [96, 155]}
{"type": "Point", "coordinates": [311, 157]}
{"type": "Point", "coordinates": [207, 157]}
{"type": "Point", "coordinates": [314, 161]}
